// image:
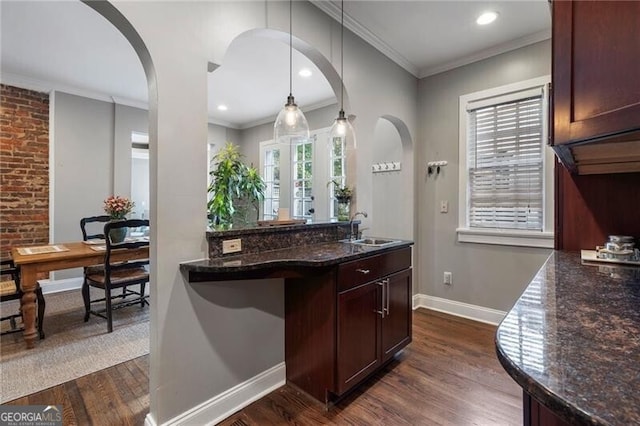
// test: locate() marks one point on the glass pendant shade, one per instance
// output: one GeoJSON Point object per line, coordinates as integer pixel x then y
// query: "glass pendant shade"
{"type": "Point", "coordinates": [343, 129]}
{"type": "Point", "coordinates": [290, 124]}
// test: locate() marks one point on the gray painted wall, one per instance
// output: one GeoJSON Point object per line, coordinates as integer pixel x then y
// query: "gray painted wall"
{"type": "Point", "coordinates": [83, 132]}
{"type": "Point", "coordinates": [484, 275]}
{"type": "Point", "coordinates": [91, 160]}
{"type": "Point", "coordinates": [390, 196]}
{"type": "Point", "coordinates": [127, 120]}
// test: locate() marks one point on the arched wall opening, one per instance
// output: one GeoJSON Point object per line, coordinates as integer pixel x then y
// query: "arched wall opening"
{"type": "Point", "coordinates": [392, 180]}
{"type": "Point", "coordinates": [253, 77]}
{"type": "Point", "coordinates": [122, 24]}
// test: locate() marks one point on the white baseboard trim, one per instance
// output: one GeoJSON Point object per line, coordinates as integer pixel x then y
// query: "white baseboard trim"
{"type": "Point", "coordinates": [228, 402]}
{"type": "Point", "coordinates": [460, 309]}
{"type": "Point", "coordinates": [149, 420]}
{"type": "Point", "coordinates": [55, 286]}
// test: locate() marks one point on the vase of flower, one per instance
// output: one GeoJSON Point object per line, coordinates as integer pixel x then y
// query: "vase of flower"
{"type": "Point", "coordinates": [117, 235]}
{"type": "Point", "coordinates": [344, 207]}
{"type": "Point", "coordinates": [117, 208]}
{"type": "Point", "coordinates": [342, 194]}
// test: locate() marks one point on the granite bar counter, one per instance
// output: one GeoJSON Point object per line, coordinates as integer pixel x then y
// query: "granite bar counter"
{"type": "Point", "coordinates": [572, 341]}
{"type": "Point", "coordinates": [283, 263]}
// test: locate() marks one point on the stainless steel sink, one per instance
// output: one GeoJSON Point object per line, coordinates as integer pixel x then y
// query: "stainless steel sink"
{"type": "Point", "coordinates": [374, 242]}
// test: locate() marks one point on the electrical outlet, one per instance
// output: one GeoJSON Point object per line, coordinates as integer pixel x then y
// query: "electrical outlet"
{"type": "Point", "coordinates": [444, 206]}
{"type": "Point", "coordinates": [231, 246]}
{"type": "Point", "coordinates": [448, 278]}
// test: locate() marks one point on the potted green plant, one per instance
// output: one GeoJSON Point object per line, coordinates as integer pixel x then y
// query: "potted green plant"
{"type": "Point", "coordinates": [235, 189]}
{"type": "Point", "coordinates": [343, 195]}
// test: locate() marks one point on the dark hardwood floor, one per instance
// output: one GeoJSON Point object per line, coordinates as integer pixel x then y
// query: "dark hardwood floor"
{"type": "Point", "coordinates": [118, 395]}
{"type": "Point", "coordinates": [448, 375]}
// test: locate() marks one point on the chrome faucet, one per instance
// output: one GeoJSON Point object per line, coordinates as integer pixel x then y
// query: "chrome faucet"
{"type": "Point", "coordinates": [352, 236]}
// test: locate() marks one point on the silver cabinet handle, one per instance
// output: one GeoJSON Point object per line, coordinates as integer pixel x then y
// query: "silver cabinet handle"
{"type": "Point", "coordinates": [386, 282]}
{"type": "Point", "coordinates": [364, 271]}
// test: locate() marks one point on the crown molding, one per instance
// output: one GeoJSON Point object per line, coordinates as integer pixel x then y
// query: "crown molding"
{"type": "Point", "coordinates": [360, 30]}
{"type": "Point", "coordinates": [271, 118]}
{"type": "Point", "coordinates": [487, 53]}
{"type": "Point", "coordinates": [363, 32]}
{"type": "Point", "coordinates": [46, 86]}
{"type": "Point", "coordinates": [223, 123]}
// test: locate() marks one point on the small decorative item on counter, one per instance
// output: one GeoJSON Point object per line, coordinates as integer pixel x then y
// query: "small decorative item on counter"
{"type": "Point", "coordinates": [118, 208]}
{"type": "Point", "coordinates": [621, 247]}
{"type": "Point", "coordinates": [343, 195]}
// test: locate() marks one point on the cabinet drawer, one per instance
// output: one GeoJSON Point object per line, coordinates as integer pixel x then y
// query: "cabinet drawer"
{"type": "Point", "coordinates": [357, 272]}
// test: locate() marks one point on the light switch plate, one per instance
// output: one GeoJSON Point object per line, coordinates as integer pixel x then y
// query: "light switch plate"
{"type": "Point", "coordinates": [444, 206]}
{"type": "Point", "coordinates": [231, 246]}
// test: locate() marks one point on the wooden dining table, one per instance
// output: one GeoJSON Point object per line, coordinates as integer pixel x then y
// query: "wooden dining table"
{"type": "Point", "coordinates": [73, 255]}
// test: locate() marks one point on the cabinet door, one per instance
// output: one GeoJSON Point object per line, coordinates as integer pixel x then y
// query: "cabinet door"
{"type": "Point", "coordinates": [358, 334]}
{"type": "Point", "coordinates": [596, 88]}
{"type": "Point", "coordinates": [396, 325]}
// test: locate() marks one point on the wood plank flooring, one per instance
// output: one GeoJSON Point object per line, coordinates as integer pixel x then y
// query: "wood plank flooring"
{"type": "Point", "coordinates": [448, 375]}
{"type": "Point", "coordinates": [118, 395]}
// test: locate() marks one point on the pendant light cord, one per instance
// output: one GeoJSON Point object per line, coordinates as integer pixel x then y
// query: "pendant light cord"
{"type": "Point", "coordinates": [290, 47]}
{"type": "Point", "coordinates": [342, 55]}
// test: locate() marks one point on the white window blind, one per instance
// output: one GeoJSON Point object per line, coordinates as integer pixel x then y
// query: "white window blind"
{"type": "Point", "coordinates": [505, 163]}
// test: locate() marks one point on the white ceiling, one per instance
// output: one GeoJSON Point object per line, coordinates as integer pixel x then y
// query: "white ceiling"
{"type": "Point", "coordinates": [53, 45]}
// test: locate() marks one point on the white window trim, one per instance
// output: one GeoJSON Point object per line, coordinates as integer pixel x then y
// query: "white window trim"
{"type": "Point", "coordinates": [510, 237]}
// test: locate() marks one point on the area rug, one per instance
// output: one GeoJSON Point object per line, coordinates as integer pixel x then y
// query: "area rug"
{"type": "Point", "coordinates": [71, 348]}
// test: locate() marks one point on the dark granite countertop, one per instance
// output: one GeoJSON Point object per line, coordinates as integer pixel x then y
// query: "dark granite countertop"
{"type": "Point", "coordinates": [310, 256]}
{"type": "Point", "coordinates": [572, 341]}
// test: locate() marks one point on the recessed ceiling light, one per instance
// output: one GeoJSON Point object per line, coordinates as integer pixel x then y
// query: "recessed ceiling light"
{"type": "Point", "coordinates": [305, 72]}
{"type": "Point", "coordinates": [222, 107]}
{"type": "Point", "coordinates": [486, 18]}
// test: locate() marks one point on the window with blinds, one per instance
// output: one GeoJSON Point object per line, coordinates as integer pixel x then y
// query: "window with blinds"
{"type": "Point", "coordinates": [505, 162]}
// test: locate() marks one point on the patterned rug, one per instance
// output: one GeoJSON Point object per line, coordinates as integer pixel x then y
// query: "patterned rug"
{"type": "Point", "coordinates": [71, 348]}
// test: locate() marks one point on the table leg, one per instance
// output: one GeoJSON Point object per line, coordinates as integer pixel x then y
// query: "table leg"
{"type": "Point", "coordinates": [28, 284]}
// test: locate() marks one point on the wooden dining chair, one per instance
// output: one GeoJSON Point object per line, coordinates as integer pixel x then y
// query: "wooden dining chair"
{"type": "Point", "coordinates": [89, 232]}
{"type": "Point", "coordinates": [119, 274]}
{"type": "Point", "coordinates": [10, 290]}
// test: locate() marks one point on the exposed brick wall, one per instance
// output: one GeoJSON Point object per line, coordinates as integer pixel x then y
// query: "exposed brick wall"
{"type": "Point", "coordinates": [24, 168]}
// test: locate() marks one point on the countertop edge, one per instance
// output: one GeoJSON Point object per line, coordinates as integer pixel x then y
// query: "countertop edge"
{"type": "Point", "coordinates": [564, 270]}
{"type": "Point", "coordinates": [198, 267]}
{"type": "Point", "coordinates": [561, 407]}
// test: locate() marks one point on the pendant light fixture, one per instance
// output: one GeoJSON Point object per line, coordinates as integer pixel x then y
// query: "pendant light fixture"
{"type": "Point", "coordinates": [291, 124]}
{"type": "Point", "coordinates": [341, 126]}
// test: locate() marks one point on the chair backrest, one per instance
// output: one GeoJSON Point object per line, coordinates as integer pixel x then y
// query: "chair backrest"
{"type": "Point", "coordinates": [87, 220]}
{"type": "Point", "coordinates": [10, 286]}
{"type": "Point", "coordinates": [132, 244]}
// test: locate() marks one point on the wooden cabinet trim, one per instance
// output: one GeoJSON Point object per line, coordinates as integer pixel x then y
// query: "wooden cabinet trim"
{"type": "Point", "coordinates": [613, 121]}
{"type": "Point", "coordinates": [357, 272]}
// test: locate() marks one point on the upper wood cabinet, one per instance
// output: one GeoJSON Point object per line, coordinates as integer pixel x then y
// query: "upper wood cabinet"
{"type": "Point", "coordinates": [596, 85]}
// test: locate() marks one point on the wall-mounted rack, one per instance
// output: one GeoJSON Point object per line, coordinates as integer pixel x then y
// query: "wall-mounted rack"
{"type": "Point", "coordinates": [392, 166]}
{"type": "Point", "coordinates": [434, 167]}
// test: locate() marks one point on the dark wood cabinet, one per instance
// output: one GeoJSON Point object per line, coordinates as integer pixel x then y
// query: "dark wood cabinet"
{"type": "Point", "coordinates": [358, 334]}
{"type": "Point", "coordinates": [345, 323]}
{"type": "Point", "coordinates": [596, 89]}
{"type": "Point", "coordinates": [536, 414]}
{"type": "Point", "coordinates": [396, 325]}
{"type": "Point", "coordinates": [374, 323]}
